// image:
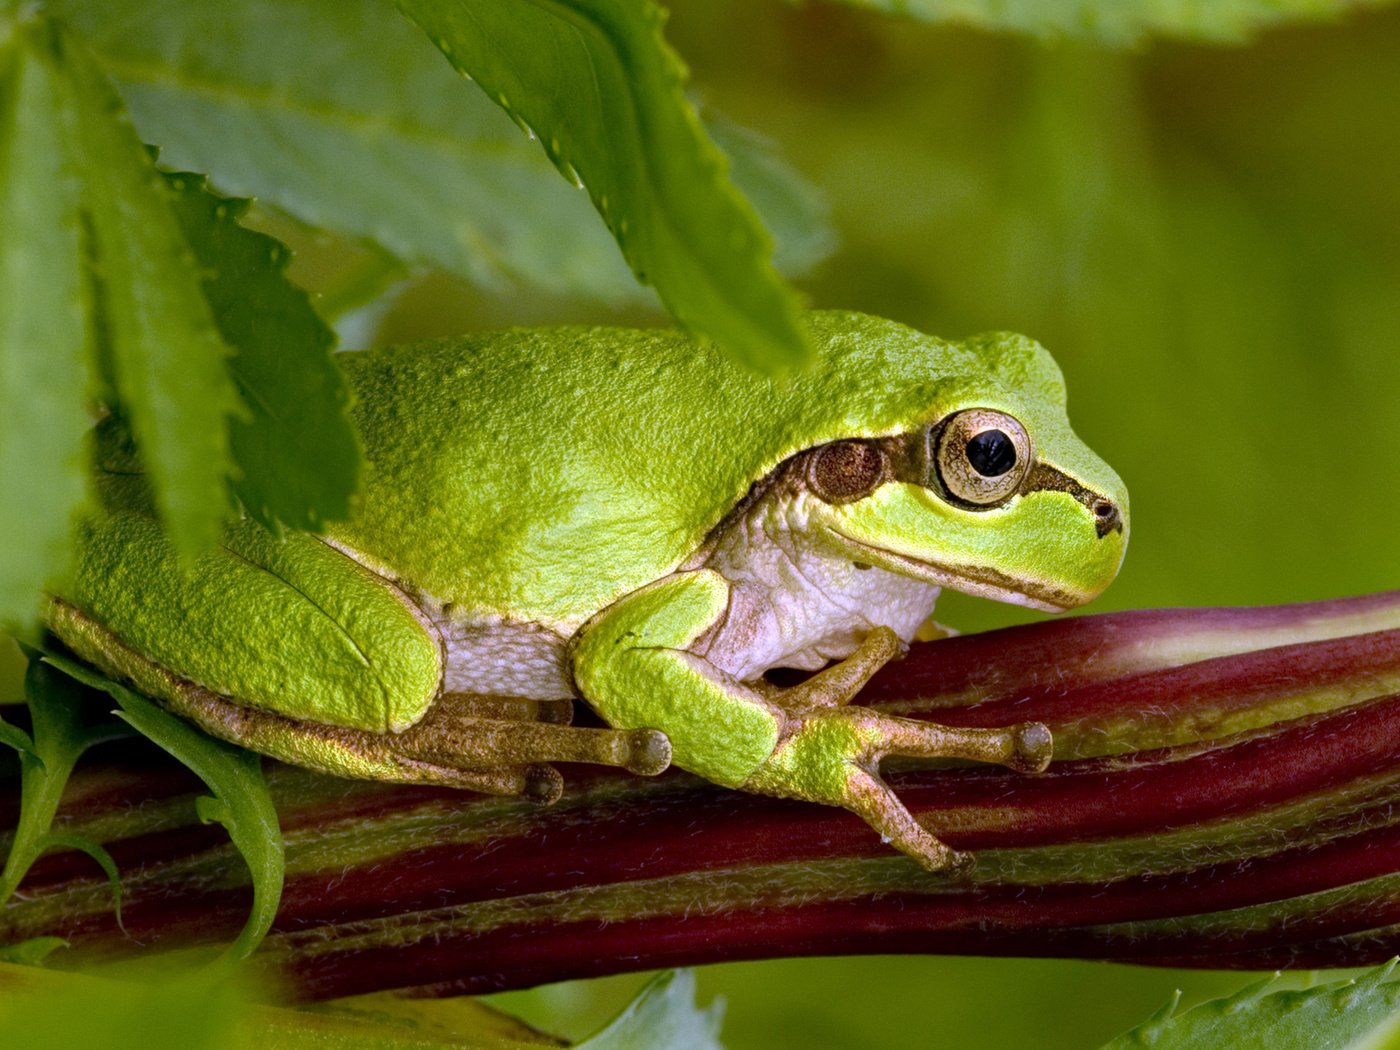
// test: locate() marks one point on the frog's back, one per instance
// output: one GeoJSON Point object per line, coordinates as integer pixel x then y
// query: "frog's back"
{"type": "Point", "coordinates": [539, 474]}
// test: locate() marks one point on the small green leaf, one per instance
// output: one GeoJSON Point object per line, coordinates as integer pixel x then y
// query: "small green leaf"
{"type": "Point", "coordinates": [1124, 21]}
{"type": "Point", "coordinates": [1342, 1015]}
{"type": "Point", "coordinates": [32, 952]}
{"type": "Point", "coordinates": [595, 81]}
{"type": "Point", "coordinates": [104, 860]}
{"type": "Point", "coordinates": [59, 737]}
{"type": "Point", "coordinates": [43, 341]}
{"type": "Point", "coordinates": [298, 453]}
{"type": "Point", "coordinates": [241, 800]}
{"type": "Point", "coordinates": [160, 351]}
{"type": "Point", "coordinates": [18, 739]}
{"type": "Point", "coordinates": [663, 1014]}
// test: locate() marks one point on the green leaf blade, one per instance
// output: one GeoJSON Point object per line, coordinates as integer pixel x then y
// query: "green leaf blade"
{"type": "Point", "coordinates": [43, 340]}
{"type": "Point", "coordinates": [100, 857]}
{"type": "Point", "coordinates": [58, 739]}
{"type": "Point", "coordinates": [162, 351]}
{"type": "Point", "coordinates": [1342, 1015]}
{"type": "Point", "coordinates": [343, 114]}
{"type": "Point", "coordinates": [664, 1013]}
{"type": "Point", "coordinates": [297, 451]}
{"type": "Point", "coordinates": [597, 83]}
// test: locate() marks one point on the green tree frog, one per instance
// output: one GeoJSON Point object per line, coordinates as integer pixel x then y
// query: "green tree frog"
{"type": "Point", "coordinates": [635, 520]}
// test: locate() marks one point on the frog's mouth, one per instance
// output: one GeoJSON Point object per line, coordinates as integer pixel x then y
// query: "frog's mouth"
{"type": "Point", "coordinates": [979, 581]}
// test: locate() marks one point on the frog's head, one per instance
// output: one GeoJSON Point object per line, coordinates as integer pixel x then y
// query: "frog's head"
{"type": "Point", "coordinates": [991, 493]}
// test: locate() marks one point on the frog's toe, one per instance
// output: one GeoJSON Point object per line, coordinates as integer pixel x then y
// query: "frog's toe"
{"type": "Point", "coordinates": [1032, 747]}
{"type": "Point", "coordinates": [648, 753]}
{"type": "Point", "coordinates": [543, 784]}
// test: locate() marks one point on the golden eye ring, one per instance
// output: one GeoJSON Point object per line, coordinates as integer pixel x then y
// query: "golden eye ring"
{"type": "Point", "coordinates": [982, 456]}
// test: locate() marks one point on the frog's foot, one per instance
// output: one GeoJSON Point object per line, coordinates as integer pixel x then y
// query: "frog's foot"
{"type": "Point", "coordinates": [833, 755]}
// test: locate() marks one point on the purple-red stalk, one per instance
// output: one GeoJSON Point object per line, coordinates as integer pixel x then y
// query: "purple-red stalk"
{"type": "Point", "coordinates": [1223, 795]}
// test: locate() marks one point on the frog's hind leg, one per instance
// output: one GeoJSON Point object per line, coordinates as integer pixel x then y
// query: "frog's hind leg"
{"type": "Point", "coordinates": [327, 749]}
{"type": "Point", "coordinates": [451, 746]}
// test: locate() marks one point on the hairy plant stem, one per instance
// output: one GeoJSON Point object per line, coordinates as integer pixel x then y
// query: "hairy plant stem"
{"type": "Point", "coordinates": [1223, 795]}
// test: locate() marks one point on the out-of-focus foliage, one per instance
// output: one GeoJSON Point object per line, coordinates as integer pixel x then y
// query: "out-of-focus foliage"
{"type": "Point", "coordinates": [1121, 21]}
{"type": "Point", "coordinates": [663, 1014]}
{"type": "Point", "coordinates": [168, 1009]}
{"type": "Point", "coordinates": [343, 114]}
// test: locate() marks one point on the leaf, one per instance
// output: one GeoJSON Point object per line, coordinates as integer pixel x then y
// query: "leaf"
{"type": "Point", "coordinates": [104, 860]}
{"type": "Point", "coordinates": [1358, 1013]}
{"type": "Point", "coordinates": [159, 348]}
{"type": "Point", "coordinates": [1124, 21]}
{"type": "Point", "coordinates": [16, 737]}
{"type": "Point", "coordinates": [241, 801]}
{"type": "Point", "coordinates": [597, 83]}
{"type": "Point", "coordinates": [298, 453]}
{"type": "Point", "coordinates": [663, 1014]}
{"type": "Point", "coordinates": [42, 336]}
{"type": "Point", "coordinates": [32, 952]}
{"type": "Point", "coordinates": [46, 760]}
{"type": "Point", "coordinates": [341, 113]}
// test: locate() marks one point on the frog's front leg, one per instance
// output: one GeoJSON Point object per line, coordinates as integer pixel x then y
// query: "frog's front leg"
{"type": "Point", "coordinates": [635, 666]}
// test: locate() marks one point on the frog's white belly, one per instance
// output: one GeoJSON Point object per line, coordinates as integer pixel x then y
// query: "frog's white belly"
{"type": "Point", "coordinates": [793, 602]}
{"type": "Point", "coordinates": [495, 657]}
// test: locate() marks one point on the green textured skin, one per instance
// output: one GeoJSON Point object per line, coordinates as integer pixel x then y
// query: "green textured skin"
{"type": "Point", "coordinates": [290, 625]}
{"type": "Point", "coordinates": [816, 764]}
{"type": "Point", "coordinates": [541, 474]}
{"type": "Point", "coordinates": [627, 664]}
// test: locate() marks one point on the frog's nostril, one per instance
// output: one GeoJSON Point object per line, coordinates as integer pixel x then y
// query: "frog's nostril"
{"type": "Point", "coordinates": [1106, 517]}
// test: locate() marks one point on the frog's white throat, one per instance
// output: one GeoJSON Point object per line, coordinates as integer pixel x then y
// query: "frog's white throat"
{"type": "Point", "coordinates": [796, 600]}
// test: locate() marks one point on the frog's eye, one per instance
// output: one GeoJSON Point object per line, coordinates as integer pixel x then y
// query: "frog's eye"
{"type": "Point", "coordinates": [982, 456]}
{"type": "Point", "coordinates": [844, 471]}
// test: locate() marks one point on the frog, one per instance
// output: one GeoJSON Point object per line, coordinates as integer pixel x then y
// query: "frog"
{"type": "Point", "coordinates": [631, 519]}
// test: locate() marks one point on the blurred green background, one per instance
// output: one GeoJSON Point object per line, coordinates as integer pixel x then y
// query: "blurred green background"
{"type": "Point", "coordinates": [1207, 238]}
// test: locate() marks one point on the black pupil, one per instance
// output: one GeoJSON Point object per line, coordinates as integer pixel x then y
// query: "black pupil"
{"type": "Point", "coordinates": [991, 453]}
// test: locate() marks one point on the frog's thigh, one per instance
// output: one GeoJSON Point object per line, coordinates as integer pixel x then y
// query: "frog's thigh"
{"type": "Point", "coordinates": [291, 626]}
{"type": "Point", "coordinates": [634, 666]}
